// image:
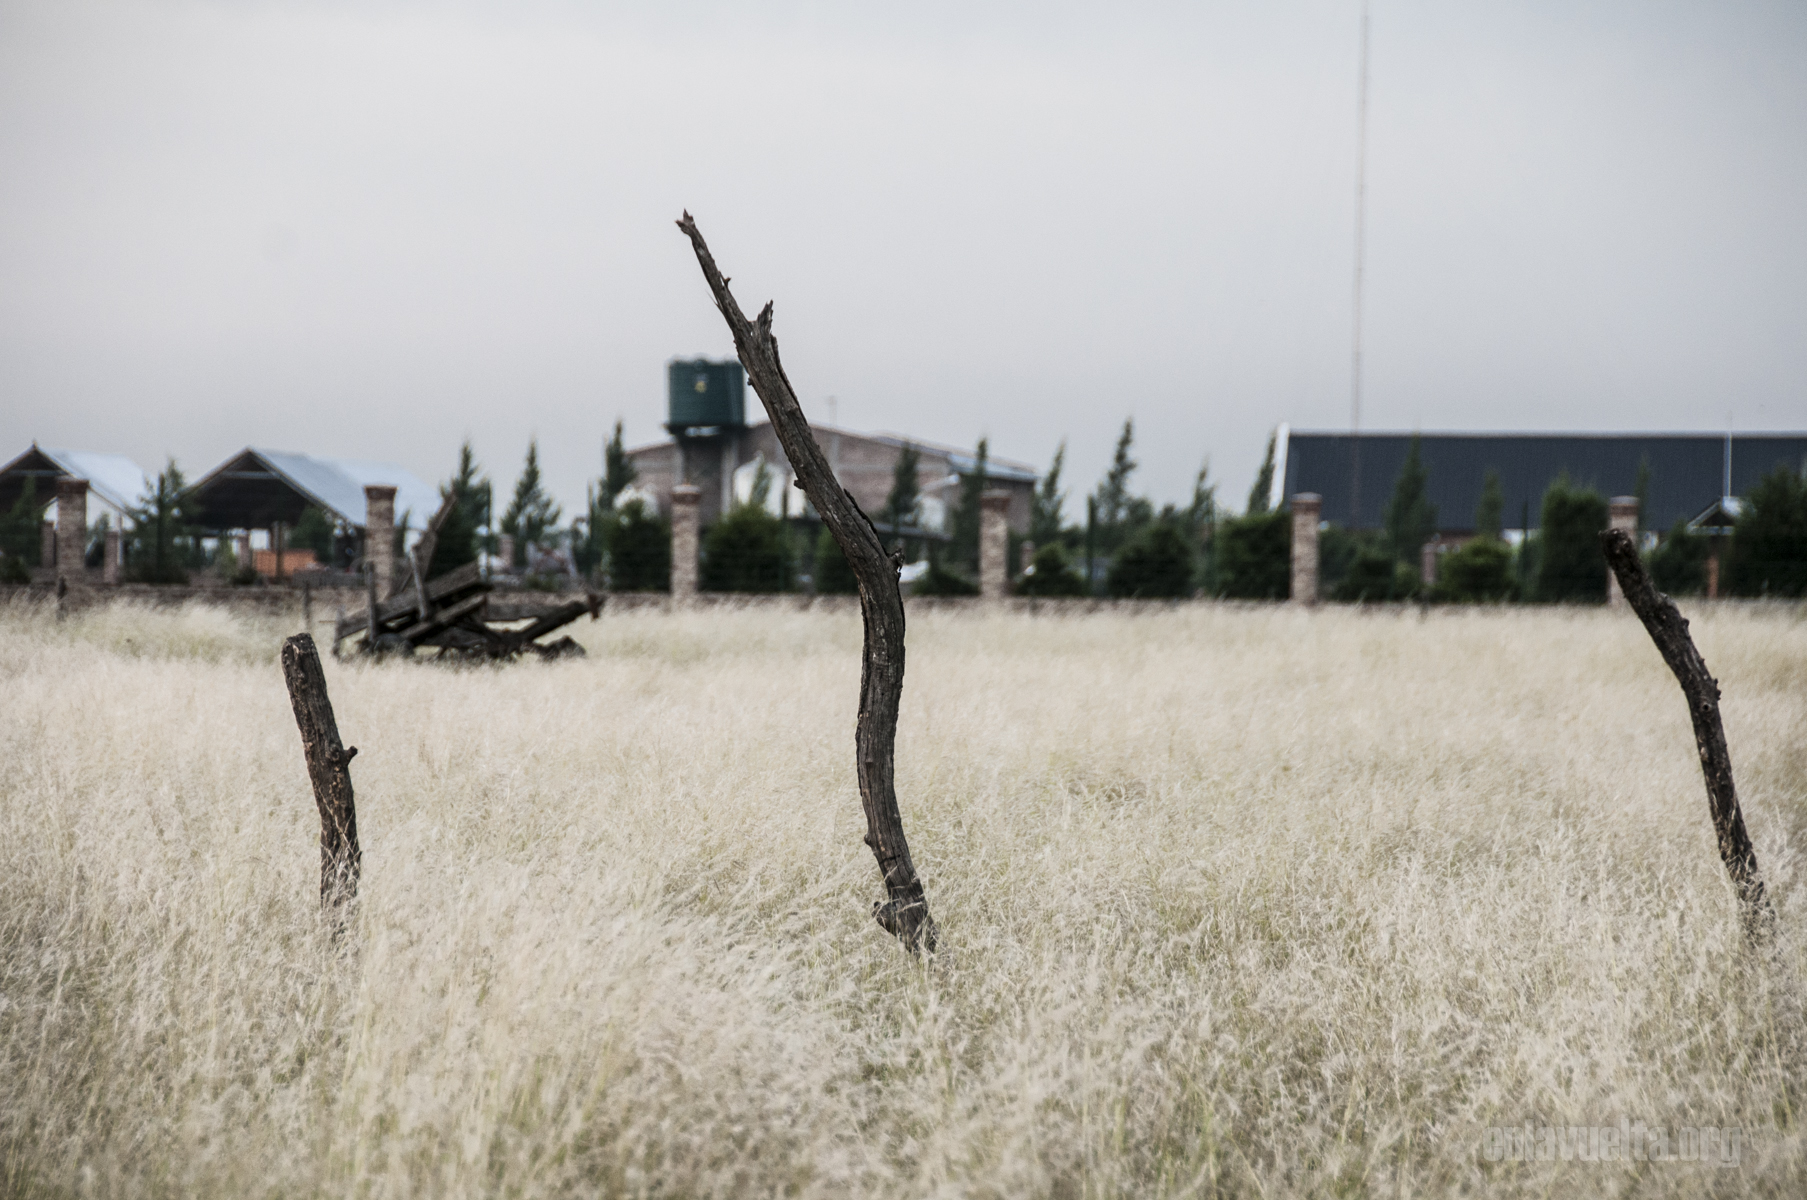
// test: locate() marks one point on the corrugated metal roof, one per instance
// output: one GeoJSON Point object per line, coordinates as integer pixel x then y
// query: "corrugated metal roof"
{"type": "Point", "coordinates": [335, 484]}
{"type": "Point", "coordinates": [1687, 470]}
{"type": "Point", "coordinates": [114, 478]}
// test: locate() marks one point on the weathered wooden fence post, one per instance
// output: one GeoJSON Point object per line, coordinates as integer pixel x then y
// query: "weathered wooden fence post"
{"type": "Point", "coordinates": [905, 912]}
{"type": "Point", "coordinates": [328, 763]}
{"type": "Point", "coordinates": [1669, 630]}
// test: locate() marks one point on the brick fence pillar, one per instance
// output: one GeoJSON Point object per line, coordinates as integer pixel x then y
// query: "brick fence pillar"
{"type": "Point", "coordinates": [379, 535]}
{"type": "Point", "coordinates": [1427, 564]}
{"type": "Point", "coordinates": [1622, 513]}
{"type": "Point", "coordinates": [994, 545]}
{"type": "Point", "coordinates": [1306, 508]}
{"type": "Point", "coordinates": [47, 545]}
{"type": "Point", "coordinates": [71, 528]}
{"type": "Point", "coordinates": [685, 516]}
{"type": "Point", "coordinates": [113, 558]}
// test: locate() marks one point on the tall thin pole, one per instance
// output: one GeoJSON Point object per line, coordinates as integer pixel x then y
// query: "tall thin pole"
{"type": "Point", "coordinates": [1361, 243]}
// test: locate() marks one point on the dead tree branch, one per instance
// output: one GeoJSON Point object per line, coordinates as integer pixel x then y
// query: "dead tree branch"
{"type": "Point", "coordinates": [328, 763]}
{"type": "Point", "coordinates": [1669, 630]}
{"type": "Point", "coordinates": [905, 911]}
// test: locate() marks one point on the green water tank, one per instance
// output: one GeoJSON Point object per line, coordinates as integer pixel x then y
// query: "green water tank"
{"type": "Point", "coordinates": [704, 393]}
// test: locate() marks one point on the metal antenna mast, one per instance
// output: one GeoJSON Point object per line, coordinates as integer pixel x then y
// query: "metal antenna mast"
{"type": "Point", "coordinates": [1361, 240]}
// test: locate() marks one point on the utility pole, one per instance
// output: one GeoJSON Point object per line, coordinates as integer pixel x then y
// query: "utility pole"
{"type": "Point", "coordinates": [1361, 238]}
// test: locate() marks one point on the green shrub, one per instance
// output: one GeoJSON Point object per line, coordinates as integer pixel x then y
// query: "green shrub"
{"type": "Point", "coordinates": [1156, 564]}
{"type": "Point", "coordinates": [833, 574]}
{"type": "Point", "coordinates": [939, 581]}
{"type": "Point", "coordinates": [1572, 567]}
{"type": "Point", "coordinates": [1053, 574]}
{"type": "Point", "coordinates": [1478, 571]}
{"type": "Point", "coordinates": [639, 550]}
{"type": "Point", "coordinates": [1374, 574]}
{"type": "Point", "coordinates": [1253, 557]}
{"type": "Point", "coordinates": [314, 531]}
{"type": "Point", "coordinates": [1679, 563]}
{"type": "Point", "coordinates": [1769, 551]}
{"type": "Point", "coordinates": [747, 550]}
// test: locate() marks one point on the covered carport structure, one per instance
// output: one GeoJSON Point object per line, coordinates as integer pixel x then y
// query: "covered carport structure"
{"type": "Point", "coordinates": [268, 490]}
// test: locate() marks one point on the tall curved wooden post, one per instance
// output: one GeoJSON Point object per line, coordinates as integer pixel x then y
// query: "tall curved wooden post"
{"type": "Point", "coordinates": [905, 911]}
{"type": "Point", "coordinates": [1669, 630]}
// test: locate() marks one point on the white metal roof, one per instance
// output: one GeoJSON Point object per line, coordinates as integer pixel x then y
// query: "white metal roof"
{"type": "Point", "coordinates": [337, 484]}
{"type": "Point", "coordinates": [114, 479]}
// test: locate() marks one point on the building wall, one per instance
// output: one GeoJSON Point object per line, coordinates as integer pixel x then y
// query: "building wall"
{"type": "Point", "coordinates": [863, 465]}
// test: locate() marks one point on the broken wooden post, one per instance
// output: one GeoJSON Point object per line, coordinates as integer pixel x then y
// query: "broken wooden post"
{"type": "Point", "coordinates": [994, 544]}
{"type": "Point", "coordinates": [1669, 630]}
{"type": "Point", "coordinates": [1306, 507]}
{"type": "Point", "coordinates": [905, 912]}
{"type": "Point", "coordinates": [685, 499]}
{"type": "Point", "coordinates": [328, 763]}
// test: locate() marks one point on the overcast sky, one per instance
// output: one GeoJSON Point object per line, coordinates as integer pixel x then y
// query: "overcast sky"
{"type": "Point", "coordinates": [372, 230]}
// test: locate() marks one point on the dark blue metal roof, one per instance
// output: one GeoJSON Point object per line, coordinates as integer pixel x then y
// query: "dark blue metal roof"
{"type": "Point", "coordinates": [1687, 470]}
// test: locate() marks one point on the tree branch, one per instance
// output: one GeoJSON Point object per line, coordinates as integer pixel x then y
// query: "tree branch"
{"type": "Point", "coordinates": [905, 911]}
{"type": "Point", "coordinates": [1669, 630]}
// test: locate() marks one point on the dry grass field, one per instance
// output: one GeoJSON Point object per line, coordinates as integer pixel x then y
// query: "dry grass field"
{"type": "Point", "coordinates": [1238, 901]}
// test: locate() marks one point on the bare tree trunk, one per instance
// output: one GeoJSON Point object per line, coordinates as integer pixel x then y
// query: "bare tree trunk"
{"type": "Point", "coordinates": [1669, 630]}
{"type": "Point", "coordinates": [905, 912]}
{"type": "Point", "coordinates": [328, 763]}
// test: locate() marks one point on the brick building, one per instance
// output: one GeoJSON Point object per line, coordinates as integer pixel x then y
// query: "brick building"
{"type": "Point", "coordinates": [713, 448]}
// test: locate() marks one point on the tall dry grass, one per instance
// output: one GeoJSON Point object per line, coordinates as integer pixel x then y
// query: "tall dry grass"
{"type": "Point", "coordinates": [1240, 901]}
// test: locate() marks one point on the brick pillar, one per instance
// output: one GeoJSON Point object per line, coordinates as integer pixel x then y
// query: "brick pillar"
{"type": "Point", "coordinates": [113, 559]}
{"type": "Point", "coordinates": [684, 520]}
{"type": "Point", "coordinates": [379, 535]}
{"type": "Point", "coordinates": [1306, 508]}
{"type": "Point", "coordinates": [71, 528]}
{"type": "Point", "coordinates": [1622, 513]}
{"type": "Point", "coordinates": [1427, 564]}
{"type": "Point", "coordinates": [994, 545]}
{"type": "Point", "coordinates": [47, 545]}
{"type": "Point", "coordinates": [1025, 557]}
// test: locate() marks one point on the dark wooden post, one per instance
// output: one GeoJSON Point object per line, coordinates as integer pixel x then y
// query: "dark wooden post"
{"type": "Point", "coordinates": [328, 763]}
{"type": "Point", "coordinates": [1669, 630]}
{"type": "Point", "coordinates": [905, 912]}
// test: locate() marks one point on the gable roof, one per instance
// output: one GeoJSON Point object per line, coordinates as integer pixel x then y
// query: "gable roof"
{"type": "Point", "coordinates": [113, 479]}
{"type": "Point", "coordinates": [256, 488]}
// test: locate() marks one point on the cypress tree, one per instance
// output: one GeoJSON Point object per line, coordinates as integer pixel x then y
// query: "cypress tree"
{"type": "Point", "coordinates": [1263, 486]}
{"type": "Point", "coordinates": [1411, 517]}
{"type": "Point", "coordinates": [1044, 514]}
{"type": "Point", "coordinates": [1769, 549]}
{"type": "Point", "coordinates": [531, 514]}
{"type": "Point", "coordinates": [1571, 566]}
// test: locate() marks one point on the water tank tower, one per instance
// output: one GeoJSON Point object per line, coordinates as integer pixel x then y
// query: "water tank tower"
{"type": "Point", "coordinates": [705, 398]}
